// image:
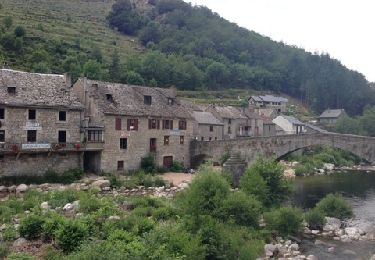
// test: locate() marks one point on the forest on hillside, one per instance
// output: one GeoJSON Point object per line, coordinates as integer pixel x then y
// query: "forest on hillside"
{"type": "Point", "coordinates": [170, 42]}
{"type": "Point", "coordinates": [192, 47]}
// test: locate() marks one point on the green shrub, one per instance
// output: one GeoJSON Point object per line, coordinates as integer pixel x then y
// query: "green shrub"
{"type": "Point", "coordinates": [20, 256]}
{"type": "Point", "coordinates": [285, 221]}
{"type": "Point", "coordinates": [50, 226]}
{"type": "Point", "coordinates": [334, 205]}
{"type": "Point", "coordinates": [4, 250]}
{"type": "Point", "coordinates": [177, 167]}
{"type": "Point", "coordinates": [115, 181]}
{"type": "Point", "coordinates": [253, 184]}
{"type": "Point", "coordinates": [224, 158]}
{"type": "Point", "coordinates": [315, 219]}
{"type": "Point", "coordinates": [10, 234]}
{"type": "Point", "coordinates": [70, 235]}
{"type": "Point", "coordinates": [164, 213]}
{"type": "Point", "coordinates": [60, 198]}
{"type": "Point", "coordinates": [243, 209]}
{"type": "Point", "coordinates": [148, 164]}
{"type": "Point", "coordinates": [31, 227]}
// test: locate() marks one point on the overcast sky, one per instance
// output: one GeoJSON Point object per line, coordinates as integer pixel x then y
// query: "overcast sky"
{"type": "Point", "coordinates": [343, 28]}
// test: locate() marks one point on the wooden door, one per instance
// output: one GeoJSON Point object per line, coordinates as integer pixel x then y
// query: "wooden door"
{"type": "Point", "coordinates": [167, 161]}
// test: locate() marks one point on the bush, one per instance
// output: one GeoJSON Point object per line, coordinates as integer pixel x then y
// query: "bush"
{"type": "Point", "coordinates": [244, 210]}
{"type": "Point", "coordinates": [148, 164]}
{"type": "Point", "coordinates": [285, 221]}
{"type": "Point", "coordinates": [20, 256]}
{"type": "Point", "coordinates": [31, 227]}
{"type": "Point", "coordinates": [115, 181]}
{"type": "Point", "coordinates": [19, 31]}
{"type": "Point", "coordinates": [334, 205]}
{"type": "Point", "coordinates": [70, 235]}
{"type": "Point", "coordinates": [177, 167]}
{"type": "Point", "coordinates": [315, 219]}
{"type": "Point", "coordinates": [50, 226]}
{"type": "Point", "coordinates": [253, 184]}
{"type": "Point", "coordinates": [10, 234]}
{"type": "Point", "coordinates": [4, 250]}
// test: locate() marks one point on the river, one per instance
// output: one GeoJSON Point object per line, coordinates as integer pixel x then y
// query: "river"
{"type": "Point", "coordinates": [359, 189]}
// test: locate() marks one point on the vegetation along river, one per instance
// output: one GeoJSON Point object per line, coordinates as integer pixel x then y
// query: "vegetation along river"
{"type": "Point", "coordinates": [356, 187]}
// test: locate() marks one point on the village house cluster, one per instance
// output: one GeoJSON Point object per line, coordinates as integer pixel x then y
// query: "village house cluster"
{"type": "Point", "coordinates": [48, 122]}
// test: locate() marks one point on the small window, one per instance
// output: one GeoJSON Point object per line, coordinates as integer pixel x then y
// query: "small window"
{"type": "Point", "coordinates": [123, 143]}
{"type": "Point", "coordinates": [94, 136]}
{"type": "Point", "coordinates": [170, 101]}
{"type": "Point", "coordinates": [120, 165]}
{"type": "Point", "coordinates": [147, 100]}
{"type": "Point", "coordinates": [229, 121]}
{"type": "Point", "coordinates": [2, 113]}
{"type": "Point", "coordinates": [12, 90]}
{"type": "Point", "coordinates": [182, 139]}
{"type": "Point", "coordinates": [211, 128]}
{"type": "Point", "coordinates": [202, 138]}
{"type": "Point", "coordinates": [153, 124]}
{"type": "Point", "coordinates": [62, 136]}
{"type": "Point", "coordinates": [166, 140]}
{"type": "Point", "coordinates": [210, 139]}
{"type": "Point", "coordinates": [62, 116]}
{"type": "Point", "coordinates": [2, 136]}
{"type": "Point", "coordinates": [168, 124]}
{"type": "Point", "coordinates": [32, 114]}
{"type": "Point", "coordinates": [31, 136]}
{"type": "Point", "coordinates": [182, 125]}
{"type": "Point", "coordinates": [2, 156]}
{"type": "Point", "coordinates": [229, 130]}
{"type": "Point", "coordinates": [215, 138]}
{"type": "Point", "coordinates": [118, 124]}
{"type": "Point", "coordinates": [109, 97]}
{"type": "Point", "coordinates": [132, 124]}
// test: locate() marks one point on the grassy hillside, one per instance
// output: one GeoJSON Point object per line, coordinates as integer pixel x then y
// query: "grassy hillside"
{"type": "Point", "coordinates": [76, 24]}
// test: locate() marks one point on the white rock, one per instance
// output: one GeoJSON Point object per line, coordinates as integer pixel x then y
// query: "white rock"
{"type": "Point", "coordinates": [44, 205]}
{"type": "Point", "coordinates": [269, 249]}
{"type": "Point", "coordinates": [12, 188]}
{"type": "Point", "coordinates": [331, 250]}
{"type": "Point", "coordinates": [114, 218]}
{"type": "Point", "coordinates": [101, 184]}
{"type": "Point", "coordinates": [294, 247]}
{"type": "Point", "coordinates": [311, 257]}
{"type": "Point", "coordinates": [332, 224]}
{"type": "Point", "coordinates": [21, 188]}
{"type": "Point", "coordinates": [315, 232]}
{"type": "Point", "coordinates": [329, 166]}
{"type": "Point", "coordinates": [19, 242]}
{"type": "Point", "coordinates": [3, 189]}
{"type": "Point", "coordinates": [68, 207]}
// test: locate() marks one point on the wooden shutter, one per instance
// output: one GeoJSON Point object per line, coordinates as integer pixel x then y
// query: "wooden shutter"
{"type": "Point", "coordinates": [163, 124]}
{"type": "Point", "coordinates": [128, 124]}
{"type": "Point", "coordinates": [118, 123]}
{"type": "Point", "coordinates": [171, 125]}
{"type": "Point", "coordinates": [158, 123]}
{"type": "Point", "coordinates": [135, 124]}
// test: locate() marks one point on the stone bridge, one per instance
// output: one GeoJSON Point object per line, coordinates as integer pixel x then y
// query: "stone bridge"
{"type": "Point", "coordinates": [250, 149]}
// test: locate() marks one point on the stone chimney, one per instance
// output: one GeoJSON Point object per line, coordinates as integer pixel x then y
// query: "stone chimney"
{"type": "Point", "coordinates": [68, 80]}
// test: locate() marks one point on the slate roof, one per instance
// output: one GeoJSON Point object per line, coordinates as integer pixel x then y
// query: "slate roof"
{"type": "Point", "coordinates": [206, 118]}
{"type": "Point", "coordinates": [269, 98]}
{"type": "Point", "coordinates": [129, 100]}
{"type": "Point", "coordinates": [229, 112]}
{"type": "Point", "coordinates": [34, 89]}
{"type": "Point", "coordinates": [332, 113]}
{"type": "Point", "coordinates": [293, 120]}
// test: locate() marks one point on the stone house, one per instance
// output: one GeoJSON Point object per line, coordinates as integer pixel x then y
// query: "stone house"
{"type": "Point", "coordinates": [268, 101]}
{"type": "Point", "coordinates": [236, 123]}
{"type": "Point", "coordinates": [131, 122]}
{"type": "Point", "coordinates": [207, 127]}
{"type": "Point", "coordinates": [39, 124]}
{"type": "Point", "coordinates": [288, 125]}
{"type": "Point", "coordinates": [330, 116]}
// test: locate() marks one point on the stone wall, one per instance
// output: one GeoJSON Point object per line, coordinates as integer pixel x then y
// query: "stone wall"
{"type": "Point", "coordinates": [38, 164]}
{"type": "Point", "coordinates": [138, 143]}
{"type": "Point", "coordinates": [47, 123]}
{"type": "Point", "coordinates": [203, 130]}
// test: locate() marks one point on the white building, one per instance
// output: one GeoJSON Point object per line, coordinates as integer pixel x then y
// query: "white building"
{"type": "Point", "coordinates": [288, 125]}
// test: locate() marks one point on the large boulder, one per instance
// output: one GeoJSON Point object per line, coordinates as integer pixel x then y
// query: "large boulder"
{"type": "Point", "coordinates": [19, 242]}
{"type": "Point", "coordinates": [332, 224]}
{"type": "Point", "coordinates": [3, 189]}
{"type": "Point", "coordinates": [101, 184]}
{"type": "Point", "coordinates": [269, 249]}
{"type": "Point", "coordinates": [22, 188]}
{"type": "Point", "coordinates": [44, 205]}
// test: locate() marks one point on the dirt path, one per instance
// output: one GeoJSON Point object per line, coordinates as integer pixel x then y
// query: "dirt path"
{"type": "Point", "coordinates": [177, 178]}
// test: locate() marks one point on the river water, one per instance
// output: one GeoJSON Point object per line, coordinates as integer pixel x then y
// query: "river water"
{"type": "Point", "coordinates": [359, 189]}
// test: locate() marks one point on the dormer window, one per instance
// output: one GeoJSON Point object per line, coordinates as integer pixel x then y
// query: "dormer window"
{"type": "Point", "coordinates": [12, 90]}
{"type": "Point", "coordinates": [147, 100]}
{"type": "Point", "coordinates": [170, 101]}
{"type": "Point", "coordinates": [109, 97]}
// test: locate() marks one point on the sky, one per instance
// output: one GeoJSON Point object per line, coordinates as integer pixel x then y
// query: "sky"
{"type": "Point", "coordinates": [345, 29]}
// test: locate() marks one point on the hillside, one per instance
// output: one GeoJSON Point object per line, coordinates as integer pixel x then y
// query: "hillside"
{"type": "Point", "coordinates": [169, 42]}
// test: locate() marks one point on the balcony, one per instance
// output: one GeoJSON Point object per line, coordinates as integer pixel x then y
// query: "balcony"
{"type": "Point", "coordinates": [93, 146]}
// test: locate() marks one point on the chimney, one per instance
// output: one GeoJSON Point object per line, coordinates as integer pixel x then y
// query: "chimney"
{"type": "Point", "coordinates": [68, 80]}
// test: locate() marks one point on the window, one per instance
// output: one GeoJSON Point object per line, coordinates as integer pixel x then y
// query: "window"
{"type": "Point", "coordinates": [167, 124]}
{"type": "Point", "coordinates": [182, 139]}
{"type": "Point", "coordinates": [62, 116]}
{"type": "Point", "coordinates": [153, 124]}
{"type": "Point", "coordinates": [2, 113]}
{"type": "Point", "coordinates": [118, 123]}
{"type": "Point", "coordinates": [230, 121]}
{"type": "Point", "coordinates": [147, 100]}
{"type": "Point", "coordinates": [229, 130]}
{"type": "Point", "coordinates": [62, 136]}
{"type": "Point", "coordinates": [109, 97]}
{"type": "Point", "coordinates": [182, 125]}
{"type": "Point", "coordinates": [210, 139]}
{"type": "Point", "coordinates": [123, 143]}
{"type": "Point", "coordinates": [32, 114]}
{"type": "Point", "coordinates": [202, 138]}
{"type": "Point", "coordinates": [153, 145]}
{"type": "Point", "coordinates": [2, 136]}
{"type": "Point", "coordinates": [95, 136]}
{"type": "Point", "coordinates": [170, 101]}
{"type": "Point", "coordinates": [132, 124]}
{"type": "Point", "coordinates": [12, 90]}
{"type": "Point", "coordinates": [31, 136]}
{"type": "Point", "coordinates": [166, 140]}
{"type": "Point", "coordinates": [120, 165]}
{"type": "Point", "coordinates": [215, 138]}
{"type": "Point", "coordinates": [211, 128]}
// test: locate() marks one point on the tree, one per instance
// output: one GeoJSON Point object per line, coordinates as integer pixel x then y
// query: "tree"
{"type": "Point", "coordinates": [252, 183]}
{"type": "Point", "coordinates": [133, 78]}
{"type": "Point", "coordinates": [114, 67]}
{"type": "Point", "coordinates": [217, 74]}
{"type": "Point", "coordinates": [348, 125]}
{"type": "Point", "coordinates": [19, 31]}
{"type": "Point", "coordinates": [368, 121]}
{"type": "Point", "coordinates": [8, 22]}
{"type": "Point", "coordinates": [93, 70]}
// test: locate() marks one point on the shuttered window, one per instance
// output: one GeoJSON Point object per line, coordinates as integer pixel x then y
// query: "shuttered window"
{"type": "Point", "coordinates": [182, 125]}
{"type": "Point", "coordinates": [132, 125]}
{"type": "Point", "coordinates": [168, 124]}
{"type": "Point", "coordinates": [118, 123]}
